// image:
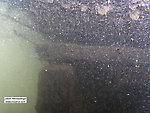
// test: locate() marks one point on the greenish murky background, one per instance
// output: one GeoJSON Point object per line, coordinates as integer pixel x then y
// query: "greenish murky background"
{"type": "Point", "coordinates": [19, 63]}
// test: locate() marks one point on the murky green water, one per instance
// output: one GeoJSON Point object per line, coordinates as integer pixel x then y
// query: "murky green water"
{"type": "Point", "coordinates": [19, 65]}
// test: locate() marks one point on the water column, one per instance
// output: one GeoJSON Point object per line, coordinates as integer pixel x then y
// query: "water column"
{"type": "Point", "coordinates": [19, 63]}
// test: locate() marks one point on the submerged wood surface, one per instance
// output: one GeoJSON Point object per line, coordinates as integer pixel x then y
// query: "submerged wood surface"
{"type": "Point", "coordinates": [107, 54]}
{"type": "Point", "coordinates": [84, 88]}
{"type": "Point", "coordinates": [56, 89]}
{"type": "Point", "coordinates": [93, 23]}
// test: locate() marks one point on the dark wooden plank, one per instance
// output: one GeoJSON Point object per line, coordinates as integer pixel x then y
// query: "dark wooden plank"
{"type": "Point", "coordinates": [107, 54]}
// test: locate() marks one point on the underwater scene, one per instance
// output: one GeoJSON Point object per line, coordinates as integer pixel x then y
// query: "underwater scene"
{"type": "Point", "coordinates": [74, 56]}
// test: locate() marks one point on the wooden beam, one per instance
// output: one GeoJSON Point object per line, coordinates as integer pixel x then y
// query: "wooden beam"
{"type": "Point", "coordinates": [107, 54]}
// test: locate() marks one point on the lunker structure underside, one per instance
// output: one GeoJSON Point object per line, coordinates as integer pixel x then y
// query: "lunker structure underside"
{"type": "Point", "coordinates": [98, 53]}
